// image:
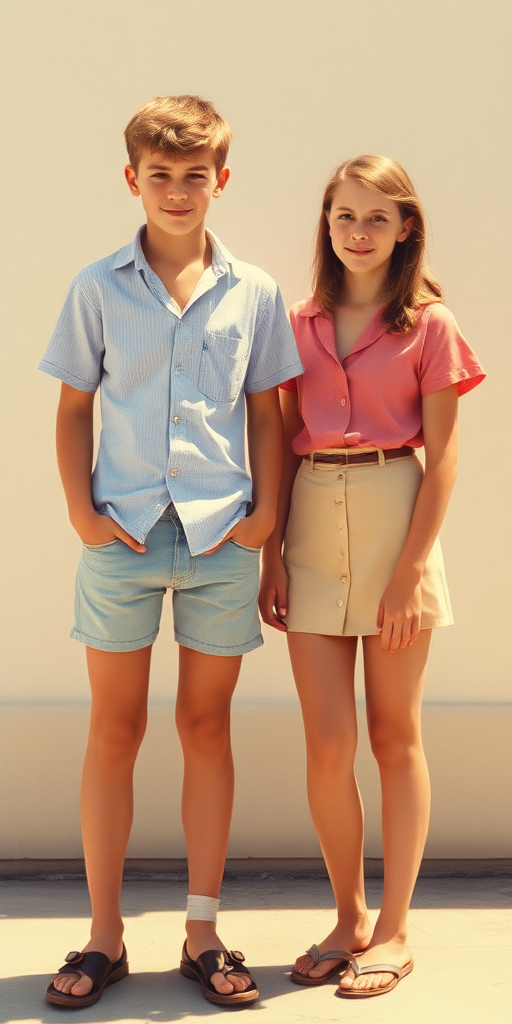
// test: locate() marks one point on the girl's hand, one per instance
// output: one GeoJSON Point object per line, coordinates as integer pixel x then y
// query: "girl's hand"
{"type": "Point", "coordinates": [398, 619]}
{"type": "Point", "coordinates": [95, 530]}
{"type": "Point", "coordinates": [273, 596]}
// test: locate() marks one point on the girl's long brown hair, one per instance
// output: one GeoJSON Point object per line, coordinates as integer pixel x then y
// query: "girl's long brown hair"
{"type": "Point", "coordinates": [410, 283]}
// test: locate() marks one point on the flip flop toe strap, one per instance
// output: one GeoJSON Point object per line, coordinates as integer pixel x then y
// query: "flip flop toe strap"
{"type": "Point", "coordinates": [331, 954]}
{"type": "Point", "coordinates": [377, 969]}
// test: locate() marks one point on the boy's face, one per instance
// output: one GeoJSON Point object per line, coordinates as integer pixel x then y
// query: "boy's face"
{"type": "Point", "coordinates": [176, 194]}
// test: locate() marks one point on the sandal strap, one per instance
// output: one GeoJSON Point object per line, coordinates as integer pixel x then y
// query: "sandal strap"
{"type": "Point", "coordinates": [331, 954]}
{"type": "Point", "coordinates": [95, 965]}
{"type": "Point", "coordinates": [379, 969]}
{"type": "Point", "coordinates": [213, 961]}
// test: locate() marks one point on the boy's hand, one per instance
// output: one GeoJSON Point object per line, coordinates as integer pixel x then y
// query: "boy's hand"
{"type": "Point", "coordinates": [273, 596]}
{"type": "Point", "coordinates": [97, 529]}
{"type": "Point", "coordinates": [398, 619]}
{"type": "Point", "coordinates": [250, 532]}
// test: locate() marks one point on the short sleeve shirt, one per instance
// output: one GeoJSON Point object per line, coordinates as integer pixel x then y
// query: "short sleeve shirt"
{"type": "Point", "coordinates": [172, 385]}
{"type": "Point", "coordinates": [373, 397]}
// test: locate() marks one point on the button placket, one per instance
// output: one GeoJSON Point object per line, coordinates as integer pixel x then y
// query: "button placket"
{"type": "Point", "coordinates": [341, 525]}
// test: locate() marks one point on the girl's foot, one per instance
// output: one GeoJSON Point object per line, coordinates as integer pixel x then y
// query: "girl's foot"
{"type": "Point", "coordinates": [202, 935]}
{"type": "Point", "coordinates": [394, 952]}
{"type": "Point", "coordinates": [341, 937]}
{"type": "Point", "coordinates": [106, 942]}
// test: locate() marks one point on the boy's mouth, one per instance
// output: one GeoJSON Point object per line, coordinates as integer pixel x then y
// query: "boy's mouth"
{"type": "Point", "coordinates": [175, 213]}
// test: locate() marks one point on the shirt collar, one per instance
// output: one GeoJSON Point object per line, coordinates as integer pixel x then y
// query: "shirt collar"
{"type": "Point", "coordinates": [133, 253]}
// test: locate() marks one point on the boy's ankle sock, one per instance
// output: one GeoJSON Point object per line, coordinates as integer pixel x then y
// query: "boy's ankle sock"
{"type": "Point", "coordinates": [202, 908]}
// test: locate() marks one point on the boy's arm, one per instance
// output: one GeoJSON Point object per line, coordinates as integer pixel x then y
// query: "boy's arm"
{"type": "Point", "coordinates": [74, 457]}
{"type": "Point", "coordinates": [265, 443]}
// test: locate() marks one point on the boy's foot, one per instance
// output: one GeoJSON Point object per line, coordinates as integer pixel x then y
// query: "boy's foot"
{"type": "Point", "coordinates": [340, 938]}
{"type": "Point", "coordinates": [202, 936]}
{"type": "Point", "coordinates": [68, 984]}
{"type": "Point", "coordinates": [393, 952]}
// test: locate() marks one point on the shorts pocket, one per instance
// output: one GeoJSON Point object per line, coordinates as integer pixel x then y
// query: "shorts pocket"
{"type": "Point", "coordinates": [98, 547]}
{"type": "Point", "coordinates": [223, 366]}
{"type": "Point", "coordinates": [244, 547]}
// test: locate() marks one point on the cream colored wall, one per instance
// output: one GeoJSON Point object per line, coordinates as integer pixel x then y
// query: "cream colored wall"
{"type": "Point", "coordinates": [303, 85]}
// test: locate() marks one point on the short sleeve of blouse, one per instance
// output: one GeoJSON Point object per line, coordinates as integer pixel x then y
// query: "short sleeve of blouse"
{"type": "Point", "coordinates": [446, 356]}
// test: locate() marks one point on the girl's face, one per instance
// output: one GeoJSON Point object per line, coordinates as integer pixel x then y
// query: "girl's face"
{"type": "Point", "coordinates": [365, 226]}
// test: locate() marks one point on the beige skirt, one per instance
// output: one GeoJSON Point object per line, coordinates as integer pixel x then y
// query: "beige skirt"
{"type": "Point", "coordinates": [346, 531]}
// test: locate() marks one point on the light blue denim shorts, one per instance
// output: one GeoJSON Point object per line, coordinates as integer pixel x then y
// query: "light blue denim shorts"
{"type": "Point", "coordinates": [119, 593]}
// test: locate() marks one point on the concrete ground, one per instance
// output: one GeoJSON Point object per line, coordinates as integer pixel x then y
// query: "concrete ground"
{"type": "Point", "coordinates": [460, 932]}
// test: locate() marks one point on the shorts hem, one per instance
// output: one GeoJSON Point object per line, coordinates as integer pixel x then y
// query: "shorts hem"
{"type": "Point", "coordinates": [114, 645]}
{"type": "Point", "coordinates": [203, 648]}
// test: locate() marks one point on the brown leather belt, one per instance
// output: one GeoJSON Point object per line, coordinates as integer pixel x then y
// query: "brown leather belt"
{"type": "Point", "coordinates": [344, 459]}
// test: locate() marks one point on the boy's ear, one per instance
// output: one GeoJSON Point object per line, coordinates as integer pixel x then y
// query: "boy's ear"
{"type": "Point", "coordinates": [131, 178]}
{"type": "Point", "coordinates": [221, 182]}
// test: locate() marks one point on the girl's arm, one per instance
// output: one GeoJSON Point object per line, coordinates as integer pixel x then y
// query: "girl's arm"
{"type": "Point", "coordinates": [74, 456]}
{"type": "Point", "coordinates": [400, 608]}
{"type": "Point", "coordinates": [274, 579]}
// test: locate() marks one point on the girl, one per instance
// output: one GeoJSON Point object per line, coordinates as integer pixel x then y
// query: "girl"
{"type": "Point", "coordinates": [384, 365]}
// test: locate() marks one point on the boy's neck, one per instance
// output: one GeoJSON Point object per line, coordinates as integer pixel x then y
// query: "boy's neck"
{"type": "Point", "coordinates": [174, 251]}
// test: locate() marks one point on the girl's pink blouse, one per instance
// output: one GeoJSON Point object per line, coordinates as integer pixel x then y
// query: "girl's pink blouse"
{"type": "Point", "coordinates": [374, 396]}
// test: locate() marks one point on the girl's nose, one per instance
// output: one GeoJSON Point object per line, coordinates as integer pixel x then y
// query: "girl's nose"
{"type": "Point", "coordinates": [358, 231]}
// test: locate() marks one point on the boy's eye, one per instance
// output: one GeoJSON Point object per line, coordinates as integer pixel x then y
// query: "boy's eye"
{"type": "Point", "coordinates": [202, 177]}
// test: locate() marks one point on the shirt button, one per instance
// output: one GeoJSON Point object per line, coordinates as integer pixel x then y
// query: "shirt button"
{"type": "Point", "coordinates": [339, 602]}
{"type": "Point", "coordinates": [343, 401]}
{"type": "Point", "coordinates": [178, 367]}
{"type": "Point", "coordinates": [174, 472]}
{"type": "Point", "coordinates": [343, 579]}
{"type": "Point", "coordinates": [180, 322]}
{"type": "Point", "coordinates": [176, 419]}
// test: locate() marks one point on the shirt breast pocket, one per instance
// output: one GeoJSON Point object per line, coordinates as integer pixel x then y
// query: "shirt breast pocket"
{"type": "Point", "coordinates": [223, 366]}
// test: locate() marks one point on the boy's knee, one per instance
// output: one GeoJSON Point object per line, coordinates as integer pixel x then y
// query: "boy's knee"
{"type": "Point", "coordinates": [206, 734]}
{"type": "Point", "coordinates": [119, 740]}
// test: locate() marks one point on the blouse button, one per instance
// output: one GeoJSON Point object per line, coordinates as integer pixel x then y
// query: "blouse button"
{"type": "Point", "coordinates": [339, 603]}
{"type": "Point", "coordinates": [343, 401]}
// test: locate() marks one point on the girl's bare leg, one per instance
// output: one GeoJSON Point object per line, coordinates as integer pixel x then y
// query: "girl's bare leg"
{"type": "Point", "coordinates": [323, 667]}
{"type": "Point", "coordinates": [394, 684]}
{"type": "Point", "coordinates": [206, 684]}
{"type": "Point", "coordinates": [119, 685]}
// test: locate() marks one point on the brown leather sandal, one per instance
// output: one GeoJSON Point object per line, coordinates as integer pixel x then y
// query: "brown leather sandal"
{"type": "Point", "coordinates": [341, 955]}
{"type": "Point", "coordinates": [98, 967]}
{"type": "Point", "coordinates": [218, 961]}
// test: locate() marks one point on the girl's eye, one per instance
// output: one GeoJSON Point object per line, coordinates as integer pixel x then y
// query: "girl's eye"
{"type": "Point", "coordinates": [377, 217]}
{"type": "Point", "coordinates": [345, 216]}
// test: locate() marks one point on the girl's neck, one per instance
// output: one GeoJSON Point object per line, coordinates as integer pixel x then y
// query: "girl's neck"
{"type": "Point", "coordinates": [364, 290]}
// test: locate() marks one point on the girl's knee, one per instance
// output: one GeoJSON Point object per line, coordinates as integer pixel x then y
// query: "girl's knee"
{"type": "Point", "coordinates": [395, 746]}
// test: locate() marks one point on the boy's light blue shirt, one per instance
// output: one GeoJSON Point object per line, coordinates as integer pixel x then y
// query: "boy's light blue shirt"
{"type": "Point", "coordinates": [172, 385]}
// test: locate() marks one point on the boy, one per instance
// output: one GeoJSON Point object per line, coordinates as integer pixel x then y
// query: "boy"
{"type": "Point", "coordinates": [181, 338]}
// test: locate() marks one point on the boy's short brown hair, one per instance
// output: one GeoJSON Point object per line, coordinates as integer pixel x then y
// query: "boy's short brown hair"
{"type": "Point", "coordinates": [177, 126]}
